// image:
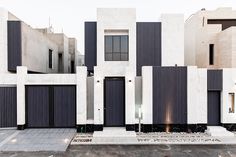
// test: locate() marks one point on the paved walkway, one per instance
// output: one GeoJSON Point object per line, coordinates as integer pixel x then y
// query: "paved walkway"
{"type": "Point", "coordinates": [36, 139]}
{"type": "Point", "coordinates": [156, 139]}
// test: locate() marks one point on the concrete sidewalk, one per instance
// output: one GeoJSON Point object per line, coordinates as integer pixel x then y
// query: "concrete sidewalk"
{"type": "Point", "coordinates": [36, 139]}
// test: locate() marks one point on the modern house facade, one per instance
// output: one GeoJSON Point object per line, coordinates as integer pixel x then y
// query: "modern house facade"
{"type": "Point", "coordinates": [135, 73]}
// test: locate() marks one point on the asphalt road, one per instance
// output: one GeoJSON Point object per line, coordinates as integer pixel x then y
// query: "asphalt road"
{"type": "Point", "coordinates": [135, 151]}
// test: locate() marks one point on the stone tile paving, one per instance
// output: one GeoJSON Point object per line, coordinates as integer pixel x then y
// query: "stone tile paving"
{"type": "Point", "coordinates": [180, 138]}
{"type": "Point", "coordinates": [161, 138]}
{"type": "Point", "coordinates": [40, 140]}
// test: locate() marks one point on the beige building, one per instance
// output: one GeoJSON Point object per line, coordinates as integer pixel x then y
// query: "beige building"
{"type": "Point", "coordinates": [210, 39]}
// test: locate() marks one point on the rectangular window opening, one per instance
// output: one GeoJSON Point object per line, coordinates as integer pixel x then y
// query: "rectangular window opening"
{"type": "Point", "coordinates": [211, 54]}
{"type": "Point", "coordinates": [50, 58]}
{"type": "Point", "coordinates": [231, 102]}
{"type": "Point", "coordinates": [116, 48]}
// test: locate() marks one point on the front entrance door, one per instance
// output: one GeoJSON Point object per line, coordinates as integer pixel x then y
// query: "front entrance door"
{"type": "Point", "coordinates": [114, 102]}
{"type": "Point", "coordinates": [213, 101]}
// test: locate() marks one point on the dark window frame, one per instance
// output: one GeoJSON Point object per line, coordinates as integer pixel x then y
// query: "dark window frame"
{"type": "Point", "coordinates": [50, 58]}
{"type": "Point", "coordinates": [211, 54]}
{"type": "Point", "coordinates": [110, 56]}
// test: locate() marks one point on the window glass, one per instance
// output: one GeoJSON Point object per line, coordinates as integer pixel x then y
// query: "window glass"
{"type": "Point", "coordinates": [108, 56]}
{"type": "Point", "coordinates": [108, 44]}
{"type": "Point", "coordinates": [50, 58]}
{"type": "Point", "coordinates": [116, 56]}
{"type": "Point", "coordinates": [116, 43]}
{"type": "Point", "coordinates": [116, 48]}
{"type": "Point", "coordinates": [124, 57]}
{"type": "Point", "coordinates": [124, 43]}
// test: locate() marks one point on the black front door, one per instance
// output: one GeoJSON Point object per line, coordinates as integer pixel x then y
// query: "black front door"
{"type": "Point", "coordinates": [114, 98]}
{"type": "Point", "coordinates": [213, 116]}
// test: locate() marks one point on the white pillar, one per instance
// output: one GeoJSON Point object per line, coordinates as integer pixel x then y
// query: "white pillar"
{"type": "Point", "coordinates": [130, 96]}
{"type": "Point", "coordinates": [98, 96]}
{"type": "Point", "coordinates": [147, 92]}
{"type": "Point", "coordinates": [21, 76]}
{"type": "Point", "coordinates": [3, 40]}
{"type": "Point", "coordinates": [81, 95]}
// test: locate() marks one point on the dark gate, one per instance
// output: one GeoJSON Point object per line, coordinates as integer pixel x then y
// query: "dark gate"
{"type": "Point", "coordinates": [114, 106]}
{"type": "Point", "coordinates": [169, 95]}
{"type": "Point", "coordinates": [51, 106]}
{"type": "Point", "coordinates": [213, 116]}
{"type": "Point", "coordinates": [8, 107]}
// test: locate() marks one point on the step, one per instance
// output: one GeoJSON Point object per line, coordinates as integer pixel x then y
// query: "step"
{"type": "Point", "coordinates": [114, 132]}
{"type": "Point", "coordinates": [218, 131]}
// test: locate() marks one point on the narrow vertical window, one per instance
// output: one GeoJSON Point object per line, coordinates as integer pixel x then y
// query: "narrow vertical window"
{"type": "Point", "coordinates": [231, 102]}
{"type": "Point", "coordinates": [211, 54]}
{"type": "Point", "coordinates": [50, 58]}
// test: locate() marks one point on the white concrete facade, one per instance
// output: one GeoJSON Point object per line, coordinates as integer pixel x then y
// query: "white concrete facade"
{"type": "Point", "coordinates": [172, 36]}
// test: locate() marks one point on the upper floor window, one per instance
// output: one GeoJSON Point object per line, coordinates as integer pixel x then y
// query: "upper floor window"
{"type": "Point", "coordinates": [211, 54]}
{"type": "Point", "coordinates": [116, 48]}
{"type": "Point", "coordinates": [50, 58]}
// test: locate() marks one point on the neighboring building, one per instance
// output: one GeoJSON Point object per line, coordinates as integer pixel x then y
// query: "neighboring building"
{"type": "Point", "coordinates": [210, 39]}
{"type": "Point", "coordinates": [40, 50]}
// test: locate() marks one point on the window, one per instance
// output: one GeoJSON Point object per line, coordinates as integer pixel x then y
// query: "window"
{"type": "Point", "coordinates": [231, 102]}
{"type": "Point", "coordinates": [116, 48]}
{"type": "Point", "coordinates": [50, 58]}
{"type": "Point", "coordinates": [211, 54]}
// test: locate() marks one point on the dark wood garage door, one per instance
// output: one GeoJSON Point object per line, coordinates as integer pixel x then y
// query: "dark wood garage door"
{"type": "Point", "coordinates": [213, 108]}
{"type": "Point", "coordinates": [114, 107]}
{"type": "Point", "coordinates": [8, 107]}
{"type": "Point", "coordinates": [51, 106]}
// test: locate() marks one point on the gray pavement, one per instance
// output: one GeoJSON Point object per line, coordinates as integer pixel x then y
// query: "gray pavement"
{"type": "Point", "coordinates": [135, 151]}
{"type": "Point", "coordinates": [36, 139]}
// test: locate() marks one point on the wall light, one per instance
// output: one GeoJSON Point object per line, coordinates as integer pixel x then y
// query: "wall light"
{"type": "Point", "coordinates": [130, 80]}
{"type": "Point", "coordinates": [98, 81]}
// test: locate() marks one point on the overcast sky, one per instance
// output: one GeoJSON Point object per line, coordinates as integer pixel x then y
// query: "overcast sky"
{"type": "Point", "coordinates": [69, 15]}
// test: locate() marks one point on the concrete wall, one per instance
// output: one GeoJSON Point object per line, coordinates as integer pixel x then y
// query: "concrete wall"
{"type": "Point", "coordinates": [199, 34]}
{"type": "Point", "coordinates": [197, 95]}
{"type": "Point", "coordinates": [35, 47]}
{"type": "Point", "coordinates": [63, 47]}
{"type": "Point", "coordinates": [172, 39]}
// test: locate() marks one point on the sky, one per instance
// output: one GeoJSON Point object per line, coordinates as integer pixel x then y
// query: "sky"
{"type": "Point", "coordinates": [68, 16]}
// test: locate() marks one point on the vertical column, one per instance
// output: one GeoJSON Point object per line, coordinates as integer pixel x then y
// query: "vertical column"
{"type": "Point", "coordinates": [147, 92]}
{"type": "Point", "coordinates": [3, 40]}
{"type": "Point", "coordinates": [81, 98]}
{"type": "Point", "coordinates": [130, 99]}
{"type": "Point", "coordinates": [98, 99]}
{"type": "Point", "coordinates": [21, 77]}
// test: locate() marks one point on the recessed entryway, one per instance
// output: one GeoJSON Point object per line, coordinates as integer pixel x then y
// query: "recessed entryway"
{"type": "Point", "coordinates": [114, 102]}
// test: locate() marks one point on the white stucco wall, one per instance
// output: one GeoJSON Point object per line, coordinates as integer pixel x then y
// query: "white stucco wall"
{"type": "Point", "coordinates": [229, 86]}
{"type": "Point", "coordinates": [116, 20]}
{"type": "Point", "coordinates": [3, 40]}
{"type": "Point", "coordinates": [35, 48]}
{"type": "Point", "coordinates": [197, 95]}
{"type": "Point", "coordinates": [147, 92]}
{"type": "Point", "coordinates": [172, 39]}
